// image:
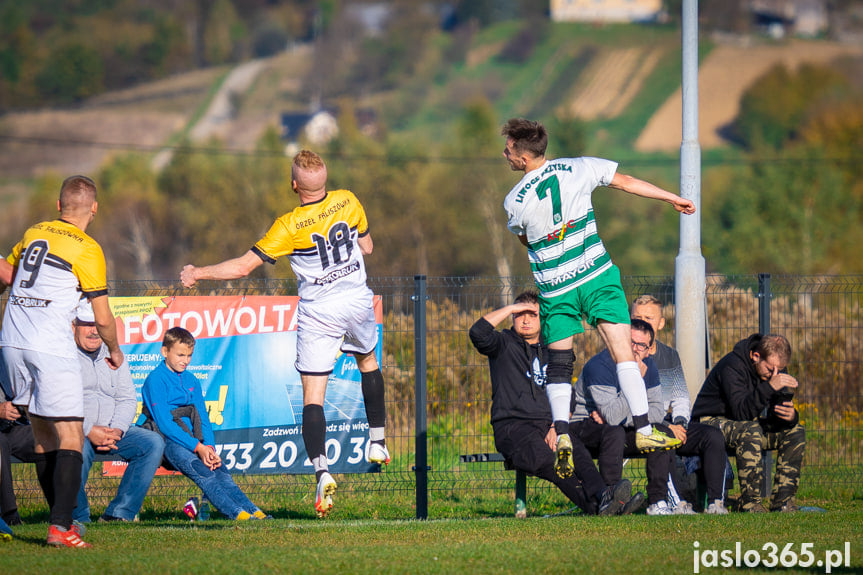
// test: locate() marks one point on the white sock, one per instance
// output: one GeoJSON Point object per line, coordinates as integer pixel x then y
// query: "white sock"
{"type": "Point", "coordinates": [632, 386]}
{"type": "Point", "coordinates": [376, 434]}
{"type": "Point", "coordinates": [559, 396]}
{"type": "Point", "coordinates": [320, 463]}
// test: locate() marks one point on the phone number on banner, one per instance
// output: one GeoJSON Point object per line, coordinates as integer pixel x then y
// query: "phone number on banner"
{"type": "Point", "coordinates": [345, 453]}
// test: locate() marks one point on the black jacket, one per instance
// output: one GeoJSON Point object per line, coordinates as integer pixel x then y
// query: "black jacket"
{"type": "Point", "coordinates": [734, 390]}
{"type": "Point", "coordinates": [517, 373]}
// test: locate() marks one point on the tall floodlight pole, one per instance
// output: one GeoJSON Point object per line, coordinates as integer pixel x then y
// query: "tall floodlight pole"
{"type": "Point", "coordinates": [689, 266]}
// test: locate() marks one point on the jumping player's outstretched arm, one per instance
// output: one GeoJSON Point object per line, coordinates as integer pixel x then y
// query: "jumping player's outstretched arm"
{"type": "Point", "coordinates": [227, 270]}
{"type": "Point", "coordinates": [644, 189]}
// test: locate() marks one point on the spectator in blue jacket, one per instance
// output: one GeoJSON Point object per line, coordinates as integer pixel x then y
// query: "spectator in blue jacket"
{"type": "Point", "coordinates": [174, 406]}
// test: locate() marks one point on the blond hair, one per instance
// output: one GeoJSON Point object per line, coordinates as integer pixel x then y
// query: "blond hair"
{"type": "Point", "coordinates": [309, 171]}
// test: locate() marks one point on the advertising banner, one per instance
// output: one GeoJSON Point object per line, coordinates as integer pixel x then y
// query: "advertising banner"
{"type": "Point", "coordinates": [244, 360]}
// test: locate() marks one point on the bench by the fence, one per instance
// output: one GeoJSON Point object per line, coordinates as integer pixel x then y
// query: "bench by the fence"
{"type": "Point", "coordinates": [99, 457]}
{"type": "Point", "coordinates": [521, 476]}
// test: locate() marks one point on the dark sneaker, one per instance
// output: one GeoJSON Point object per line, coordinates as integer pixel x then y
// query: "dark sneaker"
{"type": "Point", "coordinates": [788, 507]}
{"type": "Point", "coordinates": [754, 508]}
{"type": "Point", "coordinates": [105, 518]}
{"type": "Point", "coordinates": [615, 497]}
{"type": "Point", "coordinates": [634, 504]}
{"type": "Point", "coordinates": [12, 519]}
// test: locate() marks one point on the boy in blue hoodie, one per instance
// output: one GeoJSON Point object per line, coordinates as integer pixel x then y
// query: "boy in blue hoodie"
{"type": "Point", "coordinates": [174, 406]}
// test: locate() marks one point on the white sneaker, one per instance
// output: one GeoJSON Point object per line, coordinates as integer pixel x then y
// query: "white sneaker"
{"type": "Point", "coordinates": [659, 508]}
{"type": "Point", "coordinates": [324, 495]}
{"type": "Point", "coordinates": [683, 508]}
{"type": "Point", "coordinates": [377, 453]}
{"type": "Point", "coordinates": [716, 507]}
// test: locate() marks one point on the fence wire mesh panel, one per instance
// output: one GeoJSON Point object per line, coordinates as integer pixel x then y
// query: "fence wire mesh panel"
{"type": "Point", "coordinates": [821, 316]}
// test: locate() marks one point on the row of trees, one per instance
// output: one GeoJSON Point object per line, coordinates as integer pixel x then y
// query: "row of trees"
{"type": "Point", "coordinates": [55, 52]}
{"type": "Point", "coordinates": [793, 205]}
{"type": "Point", "coordinates": [58, 52]}
{"type": "Point", "coordinates": [797, 205]}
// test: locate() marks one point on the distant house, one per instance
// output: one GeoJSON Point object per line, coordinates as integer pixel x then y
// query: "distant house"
{"type": "Point", "coordinates": [799, 17]}
{"type": "Point", "coordinates": [317, 127]}
{"type": "Point", "coordinates": [605, 10]}
{"type": "Point", "coordinates": [320, 127]}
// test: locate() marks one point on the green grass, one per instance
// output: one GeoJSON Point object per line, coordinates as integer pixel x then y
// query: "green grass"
{"type": "Point", "coordinates": [568, 543]}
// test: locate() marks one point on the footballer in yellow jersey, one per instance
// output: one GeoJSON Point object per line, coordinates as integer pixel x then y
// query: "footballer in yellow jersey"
{"type": "Point", "coordinates": [325, 239]}
{"type": "Point", "coordinates": [56, 265]}
{"type": "Point", "coordinates": [321, 240]}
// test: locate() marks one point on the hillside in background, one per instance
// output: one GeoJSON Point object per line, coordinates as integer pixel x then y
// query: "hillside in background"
{"type": "Point", "coordinates": [419, 110]}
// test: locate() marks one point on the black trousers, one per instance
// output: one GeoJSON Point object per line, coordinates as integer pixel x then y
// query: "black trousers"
{"type": "Point", "coordinates": [658, 464]}
{"type": "Point", "coordinates": [522, 443]}
{"type": "Point", "coordinates": [708, 443]}
{"type": "Point", "coordinates": [16, 440]}
{"type": "Point", "coordinates": [604, 443]}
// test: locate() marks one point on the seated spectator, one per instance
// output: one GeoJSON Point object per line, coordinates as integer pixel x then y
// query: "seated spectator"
{"type": "Point", "coordinates": [109, 410]}
{"type": "Point", "coordinates": [16, 440]}
{"type": "Point", "coordinates": [748, 396]}
{"type": "Point", "coordinates": [697, 439]}
{"type": "Point", "coordinates": [174, 406]}
{"type": "Point", "coordinates": [597, 396]}
{"type": "Point", "coordinates": [520, 412]}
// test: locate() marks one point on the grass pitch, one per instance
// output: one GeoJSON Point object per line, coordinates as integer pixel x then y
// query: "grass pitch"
{"type": "Point", "coordinates": [567, 543]}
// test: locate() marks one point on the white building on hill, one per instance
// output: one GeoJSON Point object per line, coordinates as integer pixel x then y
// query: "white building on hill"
{"type": "Point", "coordinates": [605, 10]}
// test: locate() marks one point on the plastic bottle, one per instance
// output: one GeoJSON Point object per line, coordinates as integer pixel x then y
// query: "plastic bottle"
{"type": "Point", "coordinates": [204, 511]}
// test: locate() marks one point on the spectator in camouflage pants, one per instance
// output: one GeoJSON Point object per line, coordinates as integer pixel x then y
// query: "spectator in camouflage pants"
{"type": "Point", "coordinates": [748, 395]}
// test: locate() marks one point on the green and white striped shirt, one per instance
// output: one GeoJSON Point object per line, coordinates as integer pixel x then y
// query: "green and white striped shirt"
{"type": "Point", "coordinates": [552, 207]}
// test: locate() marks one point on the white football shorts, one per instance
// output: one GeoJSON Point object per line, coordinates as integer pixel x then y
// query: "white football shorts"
{"type": "Point", "coordinates": [326, 327]}
{"type": "Point", "coordinates": [50, 386]}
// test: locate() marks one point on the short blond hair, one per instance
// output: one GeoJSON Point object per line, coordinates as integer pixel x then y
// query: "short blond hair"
{"type": "Point", "coordinates": [645, 299]}
{"type": "Point", "coordinates": [309, 171]}
{"type": "Point", "coordinates": [308, 160]}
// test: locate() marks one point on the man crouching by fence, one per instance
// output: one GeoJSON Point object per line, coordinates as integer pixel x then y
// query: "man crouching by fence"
{"type": "Point", "coordinates": [521, 414]}
{"type": "Point", "coordinates": [748, 396]}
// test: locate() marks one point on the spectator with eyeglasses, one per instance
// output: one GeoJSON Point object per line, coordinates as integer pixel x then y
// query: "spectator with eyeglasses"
{"type": "Point", "coordinates": [698, 440]}
{"type": "Point", "coordinates": [598, 399]}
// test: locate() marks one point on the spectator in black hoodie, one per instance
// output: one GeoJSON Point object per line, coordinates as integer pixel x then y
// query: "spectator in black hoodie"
{"type": "Point", "coordinates": [748, 395]}
{"type": "Point", "coordinates": [520, 412]}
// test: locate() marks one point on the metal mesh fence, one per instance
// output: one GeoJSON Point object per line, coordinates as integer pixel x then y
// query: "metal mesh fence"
{"type": "Point", "coordinates": [821, 316]}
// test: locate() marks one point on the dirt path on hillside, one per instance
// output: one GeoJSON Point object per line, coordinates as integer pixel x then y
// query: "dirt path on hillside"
{"type": "Point", "coordinates": [59, 140]}
{"type": "Point", "coordinates": [722, 78]}
{"type": "Point", "coordinates": [615, 79]}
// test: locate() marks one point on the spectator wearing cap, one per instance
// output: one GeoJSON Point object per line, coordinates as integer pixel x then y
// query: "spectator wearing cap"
{"type": "Point", "coordinates": [110, 406]}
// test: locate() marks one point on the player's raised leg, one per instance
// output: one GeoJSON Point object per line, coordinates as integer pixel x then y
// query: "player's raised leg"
{"type": "Point", "coordinates": [618, 339]}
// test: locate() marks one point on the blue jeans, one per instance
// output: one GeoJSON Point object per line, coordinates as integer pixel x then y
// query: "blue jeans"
{"type": "Point", "coordinates": [217, 485]}
{"type": "Point", "coordinates": [142, 449]}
